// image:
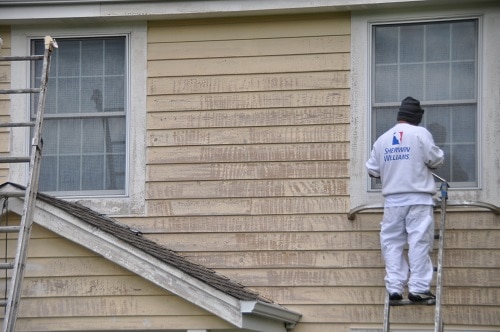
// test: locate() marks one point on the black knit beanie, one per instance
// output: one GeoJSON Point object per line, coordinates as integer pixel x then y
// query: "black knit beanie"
{"type": "Point", "coordinates": [410, 111]}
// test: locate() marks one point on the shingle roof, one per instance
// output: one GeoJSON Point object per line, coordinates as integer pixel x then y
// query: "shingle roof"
{"type": "Point", "coordinates": [136, 239]}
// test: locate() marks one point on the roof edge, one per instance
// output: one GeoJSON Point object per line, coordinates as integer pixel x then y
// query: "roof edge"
{"type": "Point", "coordinates": [257, 314]}
{"type": "Point", "coordinates": [55, 10]}
{"type": "Point", "coordinates": [140, 263]}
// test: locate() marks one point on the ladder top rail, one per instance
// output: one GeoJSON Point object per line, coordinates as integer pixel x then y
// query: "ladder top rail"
{"type": "Point", "coordinates": [351, 215]}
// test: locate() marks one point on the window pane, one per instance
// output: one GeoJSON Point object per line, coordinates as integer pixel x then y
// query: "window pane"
{"type": "Point", "coordinates": [437, 34]}
{"type": "Point", "coordinates": [436, 63]}
{"type": "Point", "coordinates": [386, 44]}
{"type": "Point", "coordinates": [438, 81]}
{"type": "Point", "coordinates": [464, 41]}
{"type": "Point", "coordinates": [463, 80]}
{"type": "Point", "coordinates": [93, 172]}
{"type": "Point", "coordinates": [48, 173]}
{"type": "Point", "coordinates": [386, 85]}
{"type": "Point", "coordinates": [412, 43]}
{"type": "Point", "coordinates": [85, 144]}
{"type": "Point", "coordinates": [70, 136]}
{"type": "Point", "coordinates": [92, 97]}
{"type": "Point", "coordinates": [451, 129]}
{"type": "Point", "coordinates": [69, 172]}
{"type": "Point", "coordinates": [412, 81]}
{"type": "Point", "coordinates": [113, 62]}
{"type": "Point", "coordinates": [93, 58]}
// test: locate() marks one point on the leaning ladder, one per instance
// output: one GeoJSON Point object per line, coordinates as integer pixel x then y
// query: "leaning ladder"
{"type": "Point", "coordinates": [438, 319]}
{"type": "Point", "coordinates": [24, 229]}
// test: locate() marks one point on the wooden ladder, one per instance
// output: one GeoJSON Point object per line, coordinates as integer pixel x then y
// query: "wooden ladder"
{"type": "Point", "coordinates": [438, 319]}
{"type": "Point", "coordinates": [24, 229]}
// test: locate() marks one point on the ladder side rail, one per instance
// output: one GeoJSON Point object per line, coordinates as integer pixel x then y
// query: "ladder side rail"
{"type": "Point", "coordinates": [29, 200]}
{"type": "Point", "coordinates": [438, 320]}
{"type": "Point", "coordinates": [387, 313]}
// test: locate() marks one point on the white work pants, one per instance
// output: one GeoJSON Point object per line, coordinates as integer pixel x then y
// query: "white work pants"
{"type": "Point", "coordinates": [414, 225]}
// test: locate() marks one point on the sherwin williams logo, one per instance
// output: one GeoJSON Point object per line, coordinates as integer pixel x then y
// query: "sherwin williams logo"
{"type": "Point", "coordinates": [397, 138]}
{"type": "Point", "coordinates": [399, 152]}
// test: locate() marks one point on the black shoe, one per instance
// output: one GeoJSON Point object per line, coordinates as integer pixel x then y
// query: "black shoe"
{"type": "Point", "coordinates": [395, 297]}
{"type": "Point", "coordinates": [421, 297]}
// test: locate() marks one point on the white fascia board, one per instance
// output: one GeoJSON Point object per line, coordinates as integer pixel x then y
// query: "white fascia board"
{"type": "Point", "coordinates": [54, 10]}
{"type": "Point", "coordinates": [135, 260]}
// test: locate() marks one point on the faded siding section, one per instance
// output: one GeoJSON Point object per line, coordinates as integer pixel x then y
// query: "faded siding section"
{"type": "Point", "coordinates": [248, 168]}
{"type": "Point", "coordinates": [248, 163]}
{"type": "Point", "coordinates": [68, 287]}
{"type": "Point", "coordinates": [4, 100]}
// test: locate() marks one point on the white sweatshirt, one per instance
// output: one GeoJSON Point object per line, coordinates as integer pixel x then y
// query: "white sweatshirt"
{"type": "Point", "coordinates": [403, 157]}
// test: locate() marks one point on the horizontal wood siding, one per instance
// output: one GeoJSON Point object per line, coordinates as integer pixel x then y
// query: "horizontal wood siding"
{"type": "Point", "coordinates": [68, 287]}
{"type": "Point", "coordinates": [248, 169]}
{"type": "Point", "coordinates": [248, 130]}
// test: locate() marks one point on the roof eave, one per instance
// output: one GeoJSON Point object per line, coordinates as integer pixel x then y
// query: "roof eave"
{"type": "Point", "coordinates": [236, 312]}
{"type": "Point", "coordinates": [20, 11]}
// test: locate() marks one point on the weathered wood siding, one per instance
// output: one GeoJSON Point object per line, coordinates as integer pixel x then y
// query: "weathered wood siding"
{"type": "Point", "coordinates": [4, 100]}
{"type": "Point", "coordinates": [248, 170]}
{"type": "Point", "coordinates": [69, 288]}
{"type": "Point", "coordinates": [248, 173]}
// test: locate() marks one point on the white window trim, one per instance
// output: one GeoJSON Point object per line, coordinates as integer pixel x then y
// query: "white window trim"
{"type": "Point", "coordinates": [488, 100]}
{"type": "Point", "coordinates": [132, 202]}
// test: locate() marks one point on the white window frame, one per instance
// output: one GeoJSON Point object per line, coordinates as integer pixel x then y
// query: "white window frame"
{"type": "Point", "coordinates": [488, 99]}
{"type": "Point", "coordinates": [132, 201]}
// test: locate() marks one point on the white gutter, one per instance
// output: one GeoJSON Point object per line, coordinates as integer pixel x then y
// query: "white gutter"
{"type": "Point", "coordinates": [271, 311]}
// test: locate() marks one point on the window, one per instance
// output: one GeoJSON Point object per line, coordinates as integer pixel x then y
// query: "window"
{"type": "Point", "coordinates": [85, 116]}
{"type": "Point", "coordinates": [95, 117]}
{"type": "Point", "coordinates": [435, 62]}
{"type": "Point", "coordinates": [464, 101]}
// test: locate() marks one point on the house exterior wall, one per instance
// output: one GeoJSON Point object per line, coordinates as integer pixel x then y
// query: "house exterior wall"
{"type": "Point", "coordinates": [248, 170]}
{"type": "Point", "coordinates": [248, 173]}
{"type": "Point", "coordinates": [70, 288]}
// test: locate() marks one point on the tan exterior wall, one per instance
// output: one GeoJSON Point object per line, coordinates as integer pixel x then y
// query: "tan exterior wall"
{"type": "Point", "coordinates": [248, 173]}
{"type": "Point", "coordinates": [248, 170]}
{"type": "Point", "coordinates": [69, 288]}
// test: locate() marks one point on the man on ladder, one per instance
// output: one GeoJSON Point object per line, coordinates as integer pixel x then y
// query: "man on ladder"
{"type": "Point", "coordinates": [403, 158]}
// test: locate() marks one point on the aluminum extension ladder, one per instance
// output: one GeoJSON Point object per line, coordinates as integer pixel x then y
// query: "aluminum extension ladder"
{"type": "Point", "coordinates": [438, 319]}
{"type": "Point", "coordinates": [24, 229]}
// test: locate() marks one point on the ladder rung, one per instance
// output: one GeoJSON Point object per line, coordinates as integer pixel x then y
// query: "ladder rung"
{"type": "Point", "coordinates": [10, 229]}
{"type": "Point", "coordinates": [6, 266]}
{"type": "Point", "coordinates": [21, 57]}
{"type": "Point", "coordinates": [12, 194]}
{"type": "Point", "coordinates": [15, 91]}
{"type": "Point", "coordinates": [408, 302]}
{"type": "Point", "coordinates": [16, 124]}
{"type": "Point", "coordinates": [3, 303]}
{"type": "Point", "coordinates": [5, 160]}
